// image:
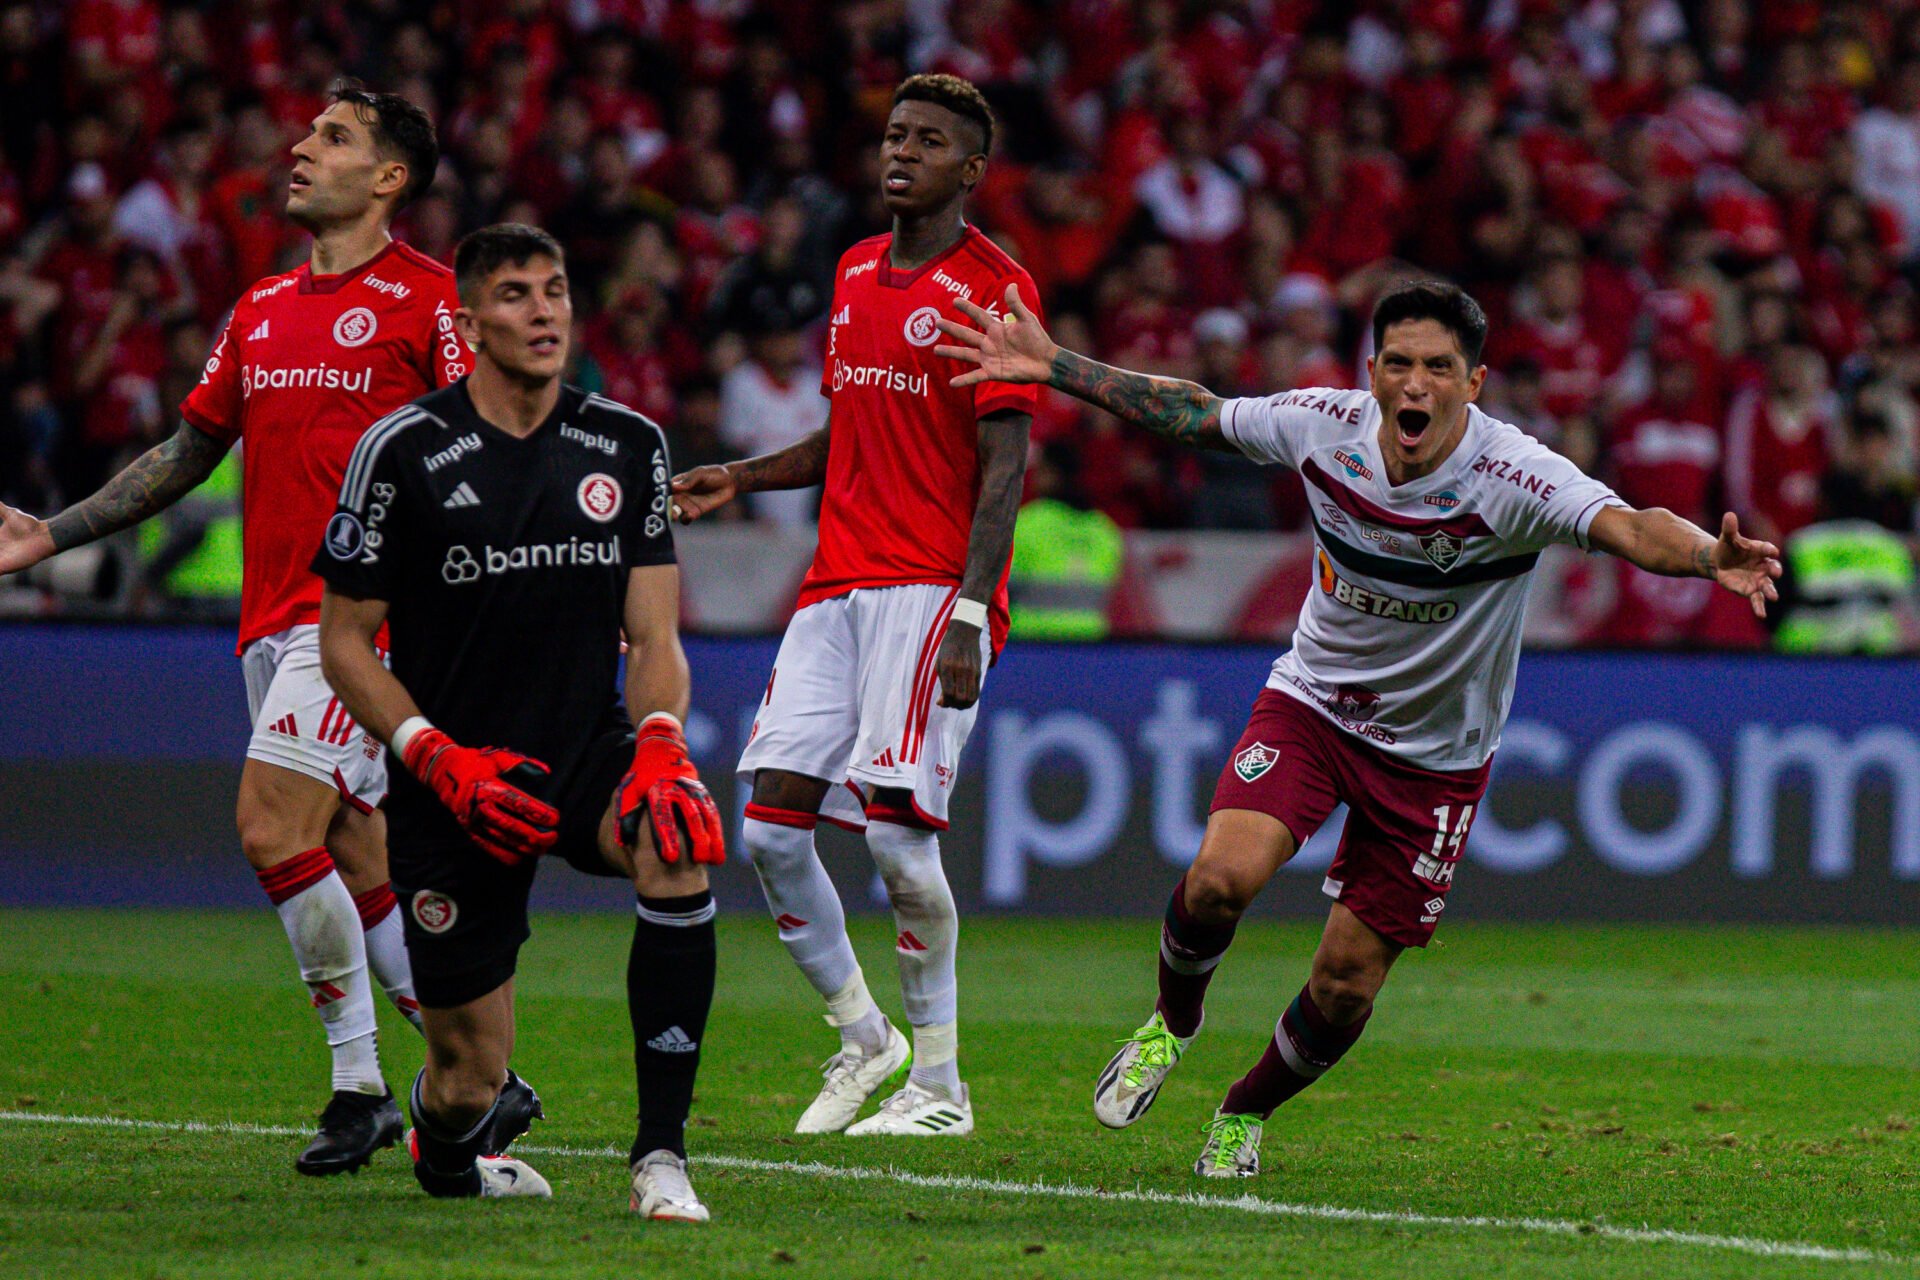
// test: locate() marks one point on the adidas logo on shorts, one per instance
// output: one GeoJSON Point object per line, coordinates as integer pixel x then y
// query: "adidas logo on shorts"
{"type": "Point", "coordinates": [672, 1040]}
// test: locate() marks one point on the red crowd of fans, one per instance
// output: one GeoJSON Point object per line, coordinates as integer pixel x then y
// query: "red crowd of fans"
{"type": "Point", "coordinates": [1695, 227]}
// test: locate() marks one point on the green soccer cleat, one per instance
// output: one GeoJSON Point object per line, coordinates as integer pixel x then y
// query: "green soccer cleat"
{"type": "Point", "coordinates": [1133, 1078]}
{"type": "Point", "coordinates": [1233, 1147]}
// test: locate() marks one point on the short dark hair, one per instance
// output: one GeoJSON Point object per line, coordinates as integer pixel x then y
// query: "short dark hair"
{"type": "Point", "coordinates": [962, 97]}
{"type": "Point", "coordinates": [1448, 304]}
{"type": "Point", "coordinates": [401, 131]}
{"type": "Point", "coordinates": [485, 251]}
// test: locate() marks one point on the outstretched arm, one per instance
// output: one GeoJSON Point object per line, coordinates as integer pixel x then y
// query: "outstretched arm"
{"type": "Point", "coordinates": [1661, 542]}
{"type": "Point", "coordinates": [152, 482]}
{"type": "Point", "coordinates": [1003, 468]}
{"type": "Point", "coordinates": [1016, 348]}
{"type": "Point", "coordinates": [800, 465]}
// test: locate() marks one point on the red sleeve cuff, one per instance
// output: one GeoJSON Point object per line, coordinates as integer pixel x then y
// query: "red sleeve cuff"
{"type": "Point", "coordinates": [202, 422]}
{"type": "Point", "coordinates": [999, 397]}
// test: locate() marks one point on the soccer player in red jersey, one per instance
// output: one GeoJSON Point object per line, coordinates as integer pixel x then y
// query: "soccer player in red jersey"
{"type": "Point", "coordinates": [306, 362]}
{"type": "Point", "coordinates": [874, 690]}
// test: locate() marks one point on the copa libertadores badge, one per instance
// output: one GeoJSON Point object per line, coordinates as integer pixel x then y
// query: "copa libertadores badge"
{"type": "Point", "coordinates": [1254, 761]}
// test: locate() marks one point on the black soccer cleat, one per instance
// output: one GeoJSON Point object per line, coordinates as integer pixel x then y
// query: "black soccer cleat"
{"type": "Point", "coordinates": [352, 1128]}
{"type": "Point", "coordinates": [514, 1114]}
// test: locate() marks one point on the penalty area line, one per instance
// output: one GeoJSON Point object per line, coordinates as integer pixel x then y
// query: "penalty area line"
{"type": "Point", "coordinates": [1071, 1191]}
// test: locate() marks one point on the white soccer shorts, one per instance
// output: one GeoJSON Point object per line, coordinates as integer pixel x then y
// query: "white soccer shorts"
{"type": "Point", "coordinates": [298, 724]}
{"type": "Point", "coordinates": [854, 698]}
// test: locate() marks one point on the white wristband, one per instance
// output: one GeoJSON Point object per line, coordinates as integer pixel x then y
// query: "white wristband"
{"type": "Point", "coordinates": [409, 728]}
{"type": "Point", "coordinates": [668, 716]}
{"type": "Point", "coordinates": [971, 612]}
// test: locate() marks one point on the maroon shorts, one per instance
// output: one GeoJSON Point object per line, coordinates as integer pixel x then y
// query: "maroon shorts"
{"type": "Point", "coordinates": [1406, 826]}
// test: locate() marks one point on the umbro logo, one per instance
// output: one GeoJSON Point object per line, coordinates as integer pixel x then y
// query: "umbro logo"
{"type": "Point", "coordinates": [462, 496]}
{"type": "Point", "coordinates": [285, 725]}
{"type": "Point", "coordinates": [260, 333]}
{"type": "Point", "coordinates": [673, 1040]}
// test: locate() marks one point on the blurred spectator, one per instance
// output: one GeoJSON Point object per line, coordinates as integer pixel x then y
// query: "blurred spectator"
{"type": "Point", "coordinates": [1665, 451]}
{"type": "Point", "coordinates": [1778, 444]}
{"type": "Point", "coordinates": [771, 400]}
{"type": "Point", "coordinates": [1066, 557]}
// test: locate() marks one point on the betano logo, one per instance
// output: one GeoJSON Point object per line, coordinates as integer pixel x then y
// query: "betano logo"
{"type": "Point", "coordinates": [1378, 604]}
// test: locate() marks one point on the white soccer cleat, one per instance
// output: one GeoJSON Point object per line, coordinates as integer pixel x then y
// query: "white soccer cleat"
{"type": "Point", "coordinates": [852, 1078]}
{"type": "Point", "coordinates": [1232, 1149]}
{"type": "Point", "coordinates": [919, 1112]}
{"type": "Point", "coordinates": [1133, 1078]}
{"type": "Point", "coordinates": [503, 1176]}
{"type": "Point", "coordinates": [661, 1190]}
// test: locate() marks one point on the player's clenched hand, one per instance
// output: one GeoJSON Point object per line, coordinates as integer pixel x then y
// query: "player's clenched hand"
{"type": "Point", "coordinates": [958, 665]}
{"type": "Point", "coordinates": [24, 540]}
{"type": "Point", "coordinates": [1744, 566]}
{"type": "Point", "coordinates": [1010, 348]}
{"type": "Point", "coordinates": [701, 490]}
{"type": "Point", "coordinates": [664, 785]}
{"type": "Point", "coordinates": [477, 785]}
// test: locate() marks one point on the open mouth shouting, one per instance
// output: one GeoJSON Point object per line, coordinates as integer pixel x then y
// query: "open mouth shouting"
{"type": "Point", "coordinates": [1411, 426]}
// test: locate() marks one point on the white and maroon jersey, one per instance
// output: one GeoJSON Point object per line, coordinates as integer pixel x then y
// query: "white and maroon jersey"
{"type": "Point", "coordinates": [903, 466]}
{"type": "Point", "coordinates": [1410, 636]}
{"type": "Point", "coordinates": [305, 365]}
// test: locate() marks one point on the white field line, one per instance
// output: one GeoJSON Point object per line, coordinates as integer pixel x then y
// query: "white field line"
{"type": "Point", "coordinates": [1070, 1191]}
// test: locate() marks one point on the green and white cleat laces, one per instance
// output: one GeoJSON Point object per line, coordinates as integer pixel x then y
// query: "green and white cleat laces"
{"type": "Point", "coordinates": [1133, 1078]}
{"type": "Point", "coordinates": [1233, 1147]}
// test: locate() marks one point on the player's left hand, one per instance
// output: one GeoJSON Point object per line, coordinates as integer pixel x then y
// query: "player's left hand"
{"type": "Point", "coordinates": [1010, 348]}
{"type": "Point", "coordinates": [1746, 567]}
{"type": "Point", "coordinates": [664, 785]}
{"type": "Point", "coordinates": [958, 665]}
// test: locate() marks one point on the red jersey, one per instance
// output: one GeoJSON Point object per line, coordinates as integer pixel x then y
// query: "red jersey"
{"type": "Point", "coordinates": [903, 466]}
{"type": "Point", "coordinates": [305, 365]}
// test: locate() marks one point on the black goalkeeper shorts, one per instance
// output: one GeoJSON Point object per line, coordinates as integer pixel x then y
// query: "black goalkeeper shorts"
{"type": "Point", "coordinates": [466, 912]}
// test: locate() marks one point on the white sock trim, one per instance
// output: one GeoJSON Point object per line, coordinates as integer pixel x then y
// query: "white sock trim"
{"type": "Point", "coordinates": [852, 1002]}
{"type": "Point", "coordinates": [936, 1043]}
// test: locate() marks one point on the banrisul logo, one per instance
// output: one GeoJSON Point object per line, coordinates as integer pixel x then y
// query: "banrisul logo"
{"type": "Point", "coordinates": [1254, 761]}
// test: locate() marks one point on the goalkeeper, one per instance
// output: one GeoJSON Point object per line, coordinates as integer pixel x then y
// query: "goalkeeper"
{"type": "Point", "coordinates": [506, 529]}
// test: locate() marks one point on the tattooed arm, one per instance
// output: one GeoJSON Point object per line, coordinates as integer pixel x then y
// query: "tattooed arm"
{"type": "Point", "coordinates": [1017, 349]}
{"type": "Point", "coordinates": [152, 482]}
{"type": "Point", "coordinates": [800, 465]}
{"type": "Point", "coordinates": [1003, 469]}
{"type": "Point", "coordinates": [1661, 542]}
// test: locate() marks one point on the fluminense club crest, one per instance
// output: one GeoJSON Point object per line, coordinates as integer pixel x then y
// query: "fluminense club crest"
{"type": "Point", "coordinates": [1443, 549]}
{"type": "Point", "coordinates": [1254, 761]}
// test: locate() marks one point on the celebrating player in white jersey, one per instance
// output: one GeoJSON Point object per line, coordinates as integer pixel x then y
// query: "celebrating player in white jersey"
{"type": "Point", "coordinates": [906, 600]}
{"type": "Point", "coordinates": [1428, 516]}
{"type": "Point", "coordinates": [306, 361]}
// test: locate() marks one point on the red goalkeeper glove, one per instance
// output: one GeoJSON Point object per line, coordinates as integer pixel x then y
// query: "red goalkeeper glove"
{"type": "Point", "coordinates": [665, 786]}
{"type": "Point", "coordinates": [476, 783]}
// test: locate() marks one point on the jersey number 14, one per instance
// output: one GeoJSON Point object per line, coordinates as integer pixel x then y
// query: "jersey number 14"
{"type": "Point", "coordinates": [1436, 865]}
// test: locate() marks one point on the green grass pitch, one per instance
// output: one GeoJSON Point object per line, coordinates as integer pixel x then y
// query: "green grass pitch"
{"type": "Point", "coordinates": [1573, 1084]}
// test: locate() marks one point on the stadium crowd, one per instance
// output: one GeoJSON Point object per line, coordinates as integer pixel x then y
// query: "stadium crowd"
{"type": "Point", "coordinates": [1695, 227]}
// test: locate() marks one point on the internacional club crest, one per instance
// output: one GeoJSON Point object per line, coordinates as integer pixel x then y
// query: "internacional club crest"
{"type": "Point", "coordinates": [921, 329]}
{"type": "Point", "coordinates": [355, 328]}
{"type": "Point", "coordinates": [434, 912]}
{"type": "Point", "coordinates": [600, 497]}
{"type": "Point", "coordinates": [1443, 549]}
{"type": "Point", "coordinates": [1255, 760]}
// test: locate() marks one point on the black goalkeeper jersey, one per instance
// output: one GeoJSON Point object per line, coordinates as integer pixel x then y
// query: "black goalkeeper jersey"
{"type": "Point", "coordinates": [504, 564]}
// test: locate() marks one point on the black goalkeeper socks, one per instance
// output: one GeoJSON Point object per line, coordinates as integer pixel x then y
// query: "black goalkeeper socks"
{"type": "Point", "coordinates": [669, 991]}
{"type": "Point", "coordinates": [443, 1163]}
